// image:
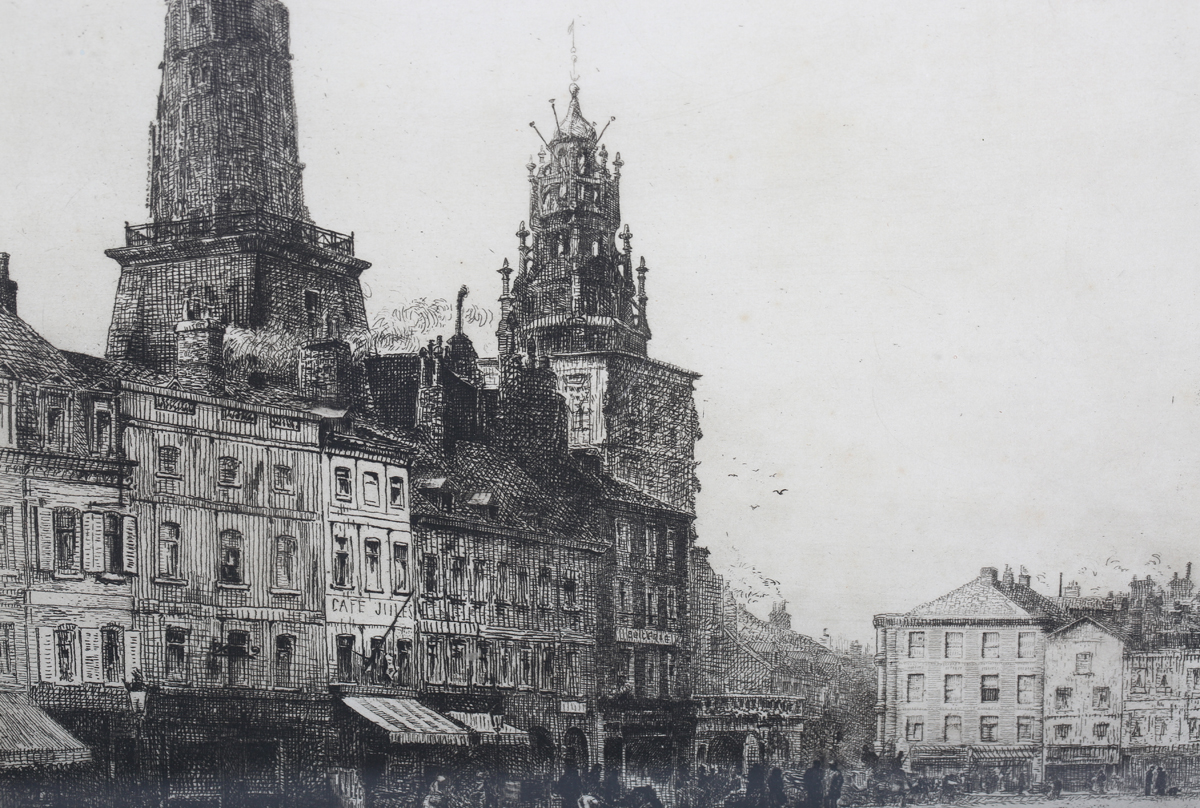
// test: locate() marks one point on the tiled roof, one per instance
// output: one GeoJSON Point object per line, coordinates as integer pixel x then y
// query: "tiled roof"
{"type": "Point", "coordinates": [27, 356]}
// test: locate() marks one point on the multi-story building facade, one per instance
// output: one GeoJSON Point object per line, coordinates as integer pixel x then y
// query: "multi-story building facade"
{"type": "Point", "coordinates": [1083, 704]}
{"type": "Point", "coordinates": [960, 681]}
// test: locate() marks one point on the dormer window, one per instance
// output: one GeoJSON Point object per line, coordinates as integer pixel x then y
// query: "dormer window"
{"type": "Point", "coordinates": [56, 421]}
{"type": "Point", "coordinates": [438, 493]}
{"type": "Point", "coordinates": [484, 504]}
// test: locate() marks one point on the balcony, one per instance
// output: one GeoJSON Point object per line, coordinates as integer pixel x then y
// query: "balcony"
{"type": "Point", "coordinates": [238, 223]}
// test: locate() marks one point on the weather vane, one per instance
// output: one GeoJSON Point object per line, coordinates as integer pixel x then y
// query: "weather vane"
{"type": "Point", "coordinates": [574, 57]}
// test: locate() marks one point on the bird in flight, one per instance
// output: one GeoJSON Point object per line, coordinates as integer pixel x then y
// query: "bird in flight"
{"type": "Point", "coordinates": [753, 507]}
{"type": "Point", "coordinates": [780, 491]}
{"type": "Point", "coordinates": [732, 475]}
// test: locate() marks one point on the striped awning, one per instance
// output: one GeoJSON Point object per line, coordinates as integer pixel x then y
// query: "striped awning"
{"type": "Point", "coordinates": [490, 729]}
{"type": "Point", "coordinates": [29, 737]}
{"type": "Point", "coordinates": [408, 721]}
{"type": "Point", "coordinates": [1000, 754]}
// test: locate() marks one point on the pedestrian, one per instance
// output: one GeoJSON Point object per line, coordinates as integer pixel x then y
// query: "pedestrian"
{"type": "Point", "coordinates": [1101, 781]}
{"type": "Point", "coordinates": [1160, 782]}
{"type": "Point", "coordinates": [1149, 781]}
{"type": "Point", "coordinates": [776, 796]}
{"type": "Point", "coordinates": [834, 788]}
{"type": "Point", "coordinates": [814, 782]}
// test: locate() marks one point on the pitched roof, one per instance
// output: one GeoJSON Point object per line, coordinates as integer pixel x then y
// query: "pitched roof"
{"type": "Point", "coordinates": [984, 597]}
{"type": "Point", "coordinates": [27, 356]}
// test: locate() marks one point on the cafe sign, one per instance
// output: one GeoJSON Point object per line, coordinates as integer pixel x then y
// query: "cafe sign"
{"type": "Point", "coordinates": [362, 611]}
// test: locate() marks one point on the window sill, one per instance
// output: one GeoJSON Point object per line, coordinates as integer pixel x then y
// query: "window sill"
{"type": "Point", "coordinates": [341, 588]}
{"type": "Point", "coordinates": [234, 587]}
{"type": "Point", "coordinates": [113, 577]}
{"type": "Point", "coordinates": [162, 475]}
{"type": "Point", "coordinates": [67, 576]}
{"type": "Point", "coordinates": [7, 573]}
{"type": "Point", "coordinates": [281, 591]}
{"type": "Point", "coordinates": [171, 582]}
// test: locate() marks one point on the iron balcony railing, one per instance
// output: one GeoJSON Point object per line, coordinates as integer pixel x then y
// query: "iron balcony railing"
{"type": "Point", "coordinates": [238, 222]}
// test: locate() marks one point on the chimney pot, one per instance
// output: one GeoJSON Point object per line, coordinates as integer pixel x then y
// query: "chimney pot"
{"type": "Point", "coordinates": [991, 573]}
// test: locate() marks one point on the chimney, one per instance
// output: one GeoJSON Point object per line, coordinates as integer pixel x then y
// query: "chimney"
{"type": "Point", "coordinates": [1188, 574]}
{"type": "Point", "coordinates": [200, 355]}
{"type": "Point", "coordinates": [1072, 590]}
{"type": "Point", "coordinates": [989, 573]}
{"type": "Point", "coordinates": [1023, 579]}
{"type": "Point", "coordinates": [326, 373]}
{"type": "Point", "coordinates": [8, 287]}
{"type": "Point", "coordinates": [1008, 575]}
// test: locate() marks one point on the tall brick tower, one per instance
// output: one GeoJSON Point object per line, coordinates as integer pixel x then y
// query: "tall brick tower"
{"type": "Point", "coordinates": [581, 301]}
{"type": "Point", "coordinates": [230, 237]}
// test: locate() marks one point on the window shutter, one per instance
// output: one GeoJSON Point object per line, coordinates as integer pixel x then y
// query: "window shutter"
{"type": "Point", "coordinates": [133, 653]}
{"type": "Point", "coordinates": [129, 543]}
{"type": "Point", "coordinates": [44, 519]}
{"type": "Point", "coordinates": [45, 652]}
{"type": "Point", "coordinates": [93, 541]}
{"type": "Point", "coordinates": [90, 640]}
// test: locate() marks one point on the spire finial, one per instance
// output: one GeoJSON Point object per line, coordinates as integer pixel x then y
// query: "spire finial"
{"type": "Point", "coordinates": [574, 58]}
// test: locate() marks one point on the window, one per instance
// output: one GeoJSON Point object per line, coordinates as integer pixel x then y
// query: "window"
{"type": "Point", "coordinates": [915, 730]}
{"type": "Point", "coordinates": [668, 678]}
{"type": "Point", "coordinates": [283, 480]}
{"type": "Point", "coordinates": [168, 461]}
{"type": "Point", "coordinates": [988, 724]}
{"type": "Point", "coordinates": [953, 729]}
{"type": "Point", "coordinates": [991, 645]}
{"type": "Point", "coordinates": [176, 654]}
{"type": "Point", "coordinates": [1139, 679]}
{"type": "Point", "coordinates": [372, 555]}
{"type": "Point", "coordinates": [1024, 728]}
{"type": "Point", "coordinates": [989, 687]}
{"type": "Point", "coordinates": [954, 644]}
{"type": "Point", "coordinates": [1100, 731]}
{"type": "Point", "coordinates": [483, 674]}
{"type": "Point", "coordinates": [371, 488]}
{"type": "Point", "coordinates": [102, 431]}
{"type": "Point", "coordinates": [341, 562]}
{"type": "Point", "coordinates": [547, 680]}
{"type": "Point", "coordinates": [312, 301]}
{"type": "Point", "coordinates": [624, 536]}
{"type": "Point", "coordinates": [285, 647]}
{"type": "Point", "coordinates": [435, 667]}
{"type": "Point", "coordinates": [671, 604]}
{"type": "Point", "coordinates": [66, 539]}
{"type": "Point", "coordinates": [229, 471]}
{"type": "Point", "coordinates": [7, 632]}
{"type": "Point", "coordinates": [56, 421]}
{"type": "Point", "coordinates": [1193, 678]}
{"type": "Point", "coordinates": [64, 654]}
{"type": "Point", "coordinates": [1136, 728]}
{"type": "Point", "coordinates": [343, 486]}
{"type": "Point", "coordinates": [525, 670]}
{"type": "Point", "coordinates": [429, 574]}
{"type": "Point", "coordinates": [345, 658]}
{"type": "Point", "coordinates": [458, 577]}
{"type": "Point", "coordinates": [502, 583]}
{"type": "Point", "coordinates": [6, 413]}
{"type": "Point", "coordinates": [1062, 698]}
{"type": "Point", "coordinates": [112, 654]}
{"type": "Point", "coordinates": [114, 546]}
{"type": "Point", "coordinates": [916, 645]}
{"type": "Point", "coordinates": [522, 587]}
{"type": "Point", "coordinates": [545, 588]}
{"type": "Point", "coordinates": [954, 688]}
{"type": "Point", "coordinates": [396, 492]}
{"type": "Point", "coordinates": [237, 650]}
{"type": "Point", "coordinates": [285, 562]}
{"type": "Point", "coordinates": [1062, 732]}
{"type": "Point", "coordinates": [458, 661]}
{"type": "Point", "coordinates": [479, 580]}
{"type": "Point", "coordinates": [404, 663]}
{"type": "Point", "coordinates": [1026, 644]}
{"type": "Point", "coordinates": [1083, 664]}
{"type": "Point", "coordinates": [400, 567]}
{"type": "Point", "coordinates": [231, 557]}
{"type": "Point", "coordinates": [623, 596]}
{"type": "Point", "coordinates": [1027, 690]}
{"type": "Point", "coordinates": [650, 667]}
{"type": "Point", "coordinates": [569, 590]}
{"type": "Point", "coordinates": [1101, 698]}
{"type": "Point", "coordinates": [1160, 726]}
{"type": "Point", "coordinates": [916, 687]}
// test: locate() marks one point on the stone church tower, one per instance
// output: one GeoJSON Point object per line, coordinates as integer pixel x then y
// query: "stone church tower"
{"type": "Point", "coordinates": [230, 238]}
{"type": "Point", "coordinates": [580, 300]}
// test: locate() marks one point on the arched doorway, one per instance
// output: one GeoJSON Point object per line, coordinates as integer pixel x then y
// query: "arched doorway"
{"type": "Point", "coordinates": [725, 752]}
{"type": "Point", "coordinates": [575, 749]}
{"type": "Point", "coordinates": [541, 750]}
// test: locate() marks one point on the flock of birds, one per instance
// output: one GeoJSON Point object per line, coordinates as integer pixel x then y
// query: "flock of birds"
{"type": "Point", "coordinates": [777, 491]}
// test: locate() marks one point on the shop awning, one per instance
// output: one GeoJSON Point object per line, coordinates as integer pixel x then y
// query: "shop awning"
{"type": "Point", "coordinates": [929, 754]}
{"type": "Point", "coordinates": [489, 729]}
{"type": "Point", "coordinates": [29, 737]}
{"type": "Point", "coordinates": [408, 721]}
{"type": "Point", "coordinates": [1001, 754]}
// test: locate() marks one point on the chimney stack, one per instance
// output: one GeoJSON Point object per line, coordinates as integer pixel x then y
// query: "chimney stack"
{"type": "Point", "coordinates": [200, 355]}
{"type": "Point", "coordinates": [989, 573]}
{"type": "Point", "coordinates": [1023, 579]}
{"type": "Point", "coordinates": [1008, 575]}
{"type": "Point", "coordinates": [326, 374]}
{"type": "Point", "coordinates": [8, 287]}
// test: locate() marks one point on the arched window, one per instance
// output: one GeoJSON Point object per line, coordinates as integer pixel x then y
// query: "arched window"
{"type": "Point", "coordinates": [595, 248]}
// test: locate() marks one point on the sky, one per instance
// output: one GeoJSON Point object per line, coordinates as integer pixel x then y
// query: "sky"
{"type": "Point", "coordinates": [937, 264]}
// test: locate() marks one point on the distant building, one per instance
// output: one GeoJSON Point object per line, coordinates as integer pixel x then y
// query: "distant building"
{"type": "Point", "coordinates": [961, 680]}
